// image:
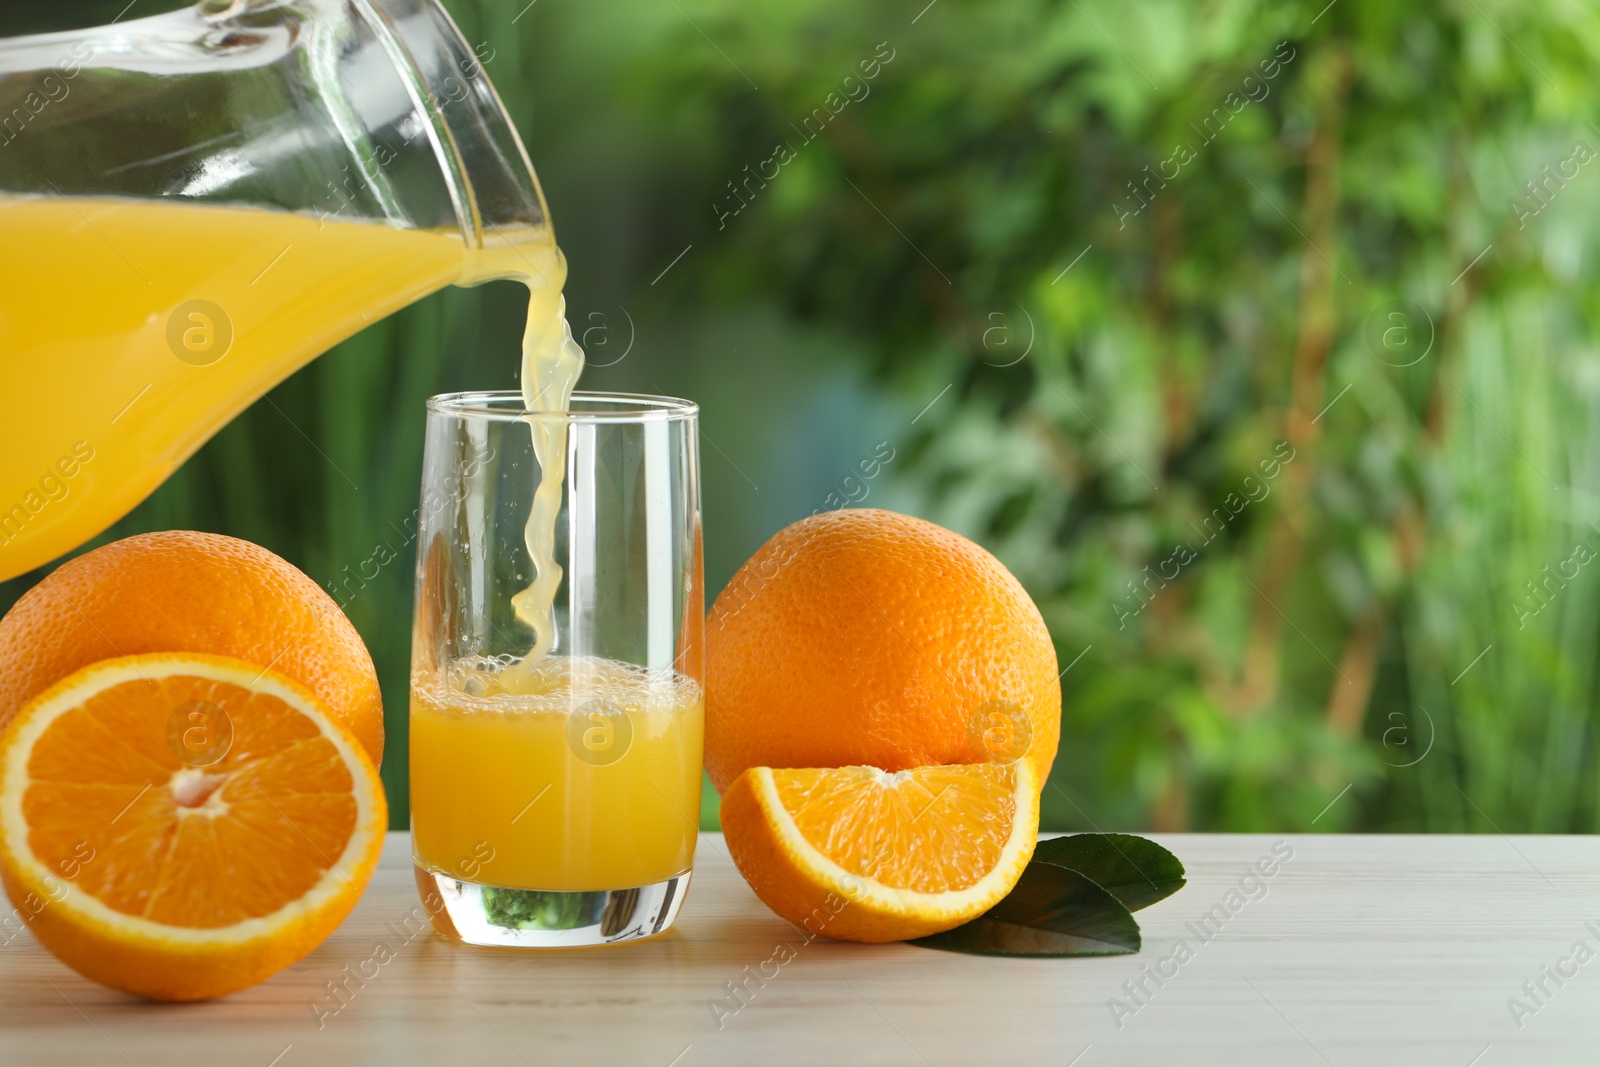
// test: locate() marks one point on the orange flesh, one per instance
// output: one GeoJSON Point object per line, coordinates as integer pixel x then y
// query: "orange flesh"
{"type": "Point", "coordinates": [193, 847]}
{"type": "Point", "coordinates": [932, 829]}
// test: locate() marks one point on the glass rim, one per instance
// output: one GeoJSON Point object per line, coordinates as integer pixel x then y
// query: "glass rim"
{"type": "Point", "coordinates": [505, 405]}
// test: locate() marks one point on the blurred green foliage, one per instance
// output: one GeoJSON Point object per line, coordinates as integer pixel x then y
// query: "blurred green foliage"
{"type": "Point", "coordinates": [1234, 328]}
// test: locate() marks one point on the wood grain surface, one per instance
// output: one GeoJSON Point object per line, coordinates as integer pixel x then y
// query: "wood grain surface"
{"type": "Point", "coordinates": [1355, 950]}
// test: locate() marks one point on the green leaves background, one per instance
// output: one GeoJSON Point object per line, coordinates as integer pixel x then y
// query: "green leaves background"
{"type": "Point", "coordinates": [1371, 609]}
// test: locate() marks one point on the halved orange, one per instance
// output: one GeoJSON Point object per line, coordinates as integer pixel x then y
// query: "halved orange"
{"type": "Point", "coordinates": [861, 854]}
{"type": "Point", "coordinates": [150, 856]}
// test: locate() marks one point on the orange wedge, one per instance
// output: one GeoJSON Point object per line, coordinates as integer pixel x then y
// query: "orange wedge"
{"type": "Point", "coordinates": [861, 854]}
{"type": "Point", "coordinates": [181, 825]}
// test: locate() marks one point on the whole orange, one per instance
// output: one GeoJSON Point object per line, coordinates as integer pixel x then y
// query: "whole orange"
{"type": "Point", "coordinates": [863, 636]}
{"type": "Point", "coordinates": [184, 591]}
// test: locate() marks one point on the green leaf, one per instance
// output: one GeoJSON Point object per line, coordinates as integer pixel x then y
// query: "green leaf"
{"type": "Point", "coordinates": [1135, 871]}
{"type": "Point", "coordinates": [1052, 911]}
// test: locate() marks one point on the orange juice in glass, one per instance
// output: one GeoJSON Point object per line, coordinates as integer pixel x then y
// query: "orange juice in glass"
{"type": "Point", "coordinates": [555, 797]}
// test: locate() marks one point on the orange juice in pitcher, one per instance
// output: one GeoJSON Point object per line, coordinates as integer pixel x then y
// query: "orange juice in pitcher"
{"type": "Point", "coordinates": [194, 205]}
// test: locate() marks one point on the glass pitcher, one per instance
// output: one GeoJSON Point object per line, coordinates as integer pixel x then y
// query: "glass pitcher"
{"type": "Point", "coordinates": [196, 204]}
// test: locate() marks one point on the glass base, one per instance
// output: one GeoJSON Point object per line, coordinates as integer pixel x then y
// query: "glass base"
{"type": "Point", "coordinates": [531, 918]}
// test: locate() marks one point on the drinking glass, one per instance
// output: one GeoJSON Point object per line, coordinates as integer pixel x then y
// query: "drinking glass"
{"type": "Point", "coordinates": [556, 802]}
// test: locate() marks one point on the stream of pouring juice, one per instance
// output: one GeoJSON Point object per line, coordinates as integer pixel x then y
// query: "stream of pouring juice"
{"type": "Point", "coordinates": [130, 331]}
{"type": "Point", "coordinates": [499, 791]}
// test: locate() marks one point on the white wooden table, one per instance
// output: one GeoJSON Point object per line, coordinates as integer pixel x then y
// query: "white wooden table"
{"type": "Point", "coordinates": [1357, 951]}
